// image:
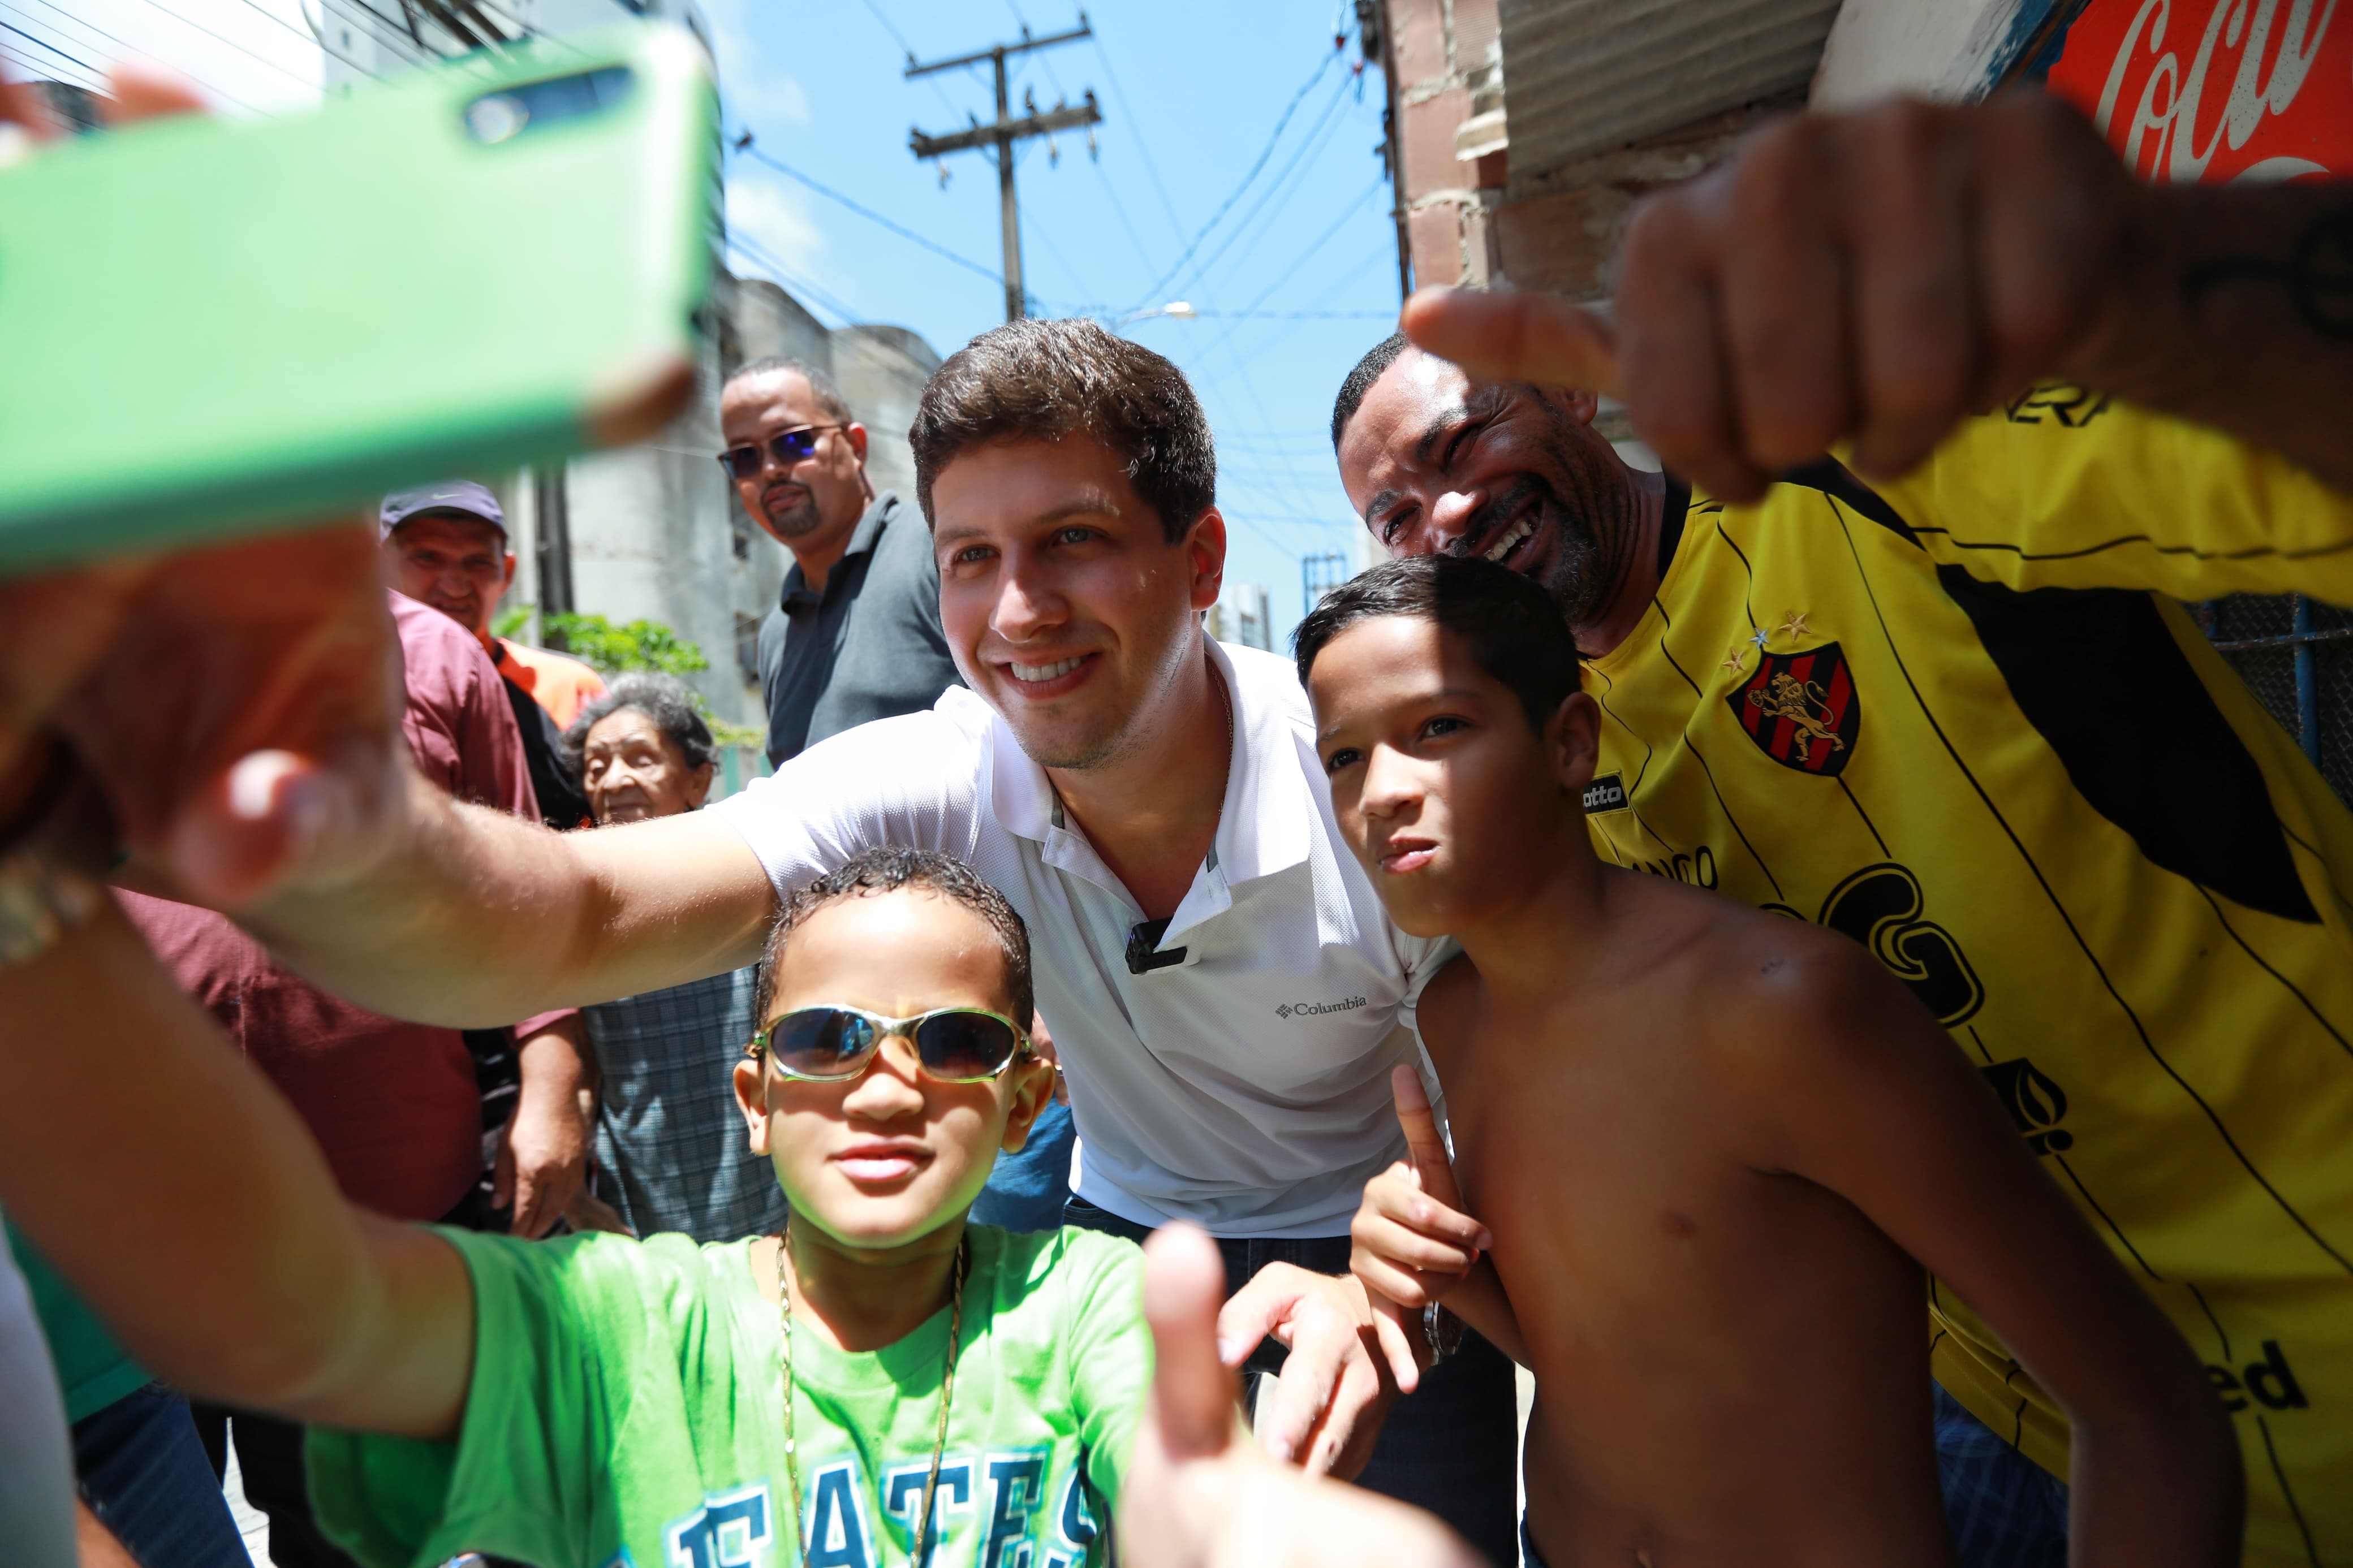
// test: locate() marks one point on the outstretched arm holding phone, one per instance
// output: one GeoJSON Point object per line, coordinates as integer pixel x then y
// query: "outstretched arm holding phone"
{"type": "Point", "coordinates": [283, 1297]}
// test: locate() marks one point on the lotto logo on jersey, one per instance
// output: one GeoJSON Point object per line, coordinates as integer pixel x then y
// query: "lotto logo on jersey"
{"type": "Point", "coordinates": [1607, 792]}
{"type": "Point", "coordinates": [1801, 709]}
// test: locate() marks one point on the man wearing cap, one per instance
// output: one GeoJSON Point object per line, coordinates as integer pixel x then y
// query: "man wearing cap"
{"type": "Point", "coordinates": [447, 547]}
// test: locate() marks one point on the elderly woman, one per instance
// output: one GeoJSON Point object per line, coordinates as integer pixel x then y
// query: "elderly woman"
{"type": "Point", "coordinates": [670, 1151]}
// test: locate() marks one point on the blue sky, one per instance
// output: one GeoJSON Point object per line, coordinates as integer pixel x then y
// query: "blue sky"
{"type": "Point", "coordinates": [1190, 97]}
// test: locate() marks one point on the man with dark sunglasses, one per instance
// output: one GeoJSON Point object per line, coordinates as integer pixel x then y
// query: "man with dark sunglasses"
{"type": "Point", "coordinates": [856, 631]}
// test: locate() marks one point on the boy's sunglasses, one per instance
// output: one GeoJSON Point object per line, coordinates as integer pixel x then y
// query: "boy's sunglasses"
{"type": "Point", "coordinates": [787, 446]}
{"type": "Point", "coordinates": [832, 1042]}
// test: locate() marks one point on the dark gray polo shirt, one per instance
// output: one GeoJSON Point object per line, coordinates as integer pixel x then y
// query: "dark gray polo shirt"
{"type": "Point", "coordinates": [869, 647]}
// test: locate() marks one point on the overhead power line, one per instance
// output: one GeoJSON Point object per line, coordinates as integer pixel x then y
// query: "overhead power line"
{"type": "Point", "coordinates": [32, 63]}
{"type": "Point", "coordinates": [1005, 133]}
{"type": "Point", "coordinates": [1265, 152]}
{"type": "Point", "coordinates": [1307, 252]}
{"type": "Point", "coordinates": [1274, 191]}
{"type": "Point", "coordinates": [901, 230]}
{"type": "Point", "coordinates": [1142, 144]}
{"type": "Point", "coordinates": [97, 82]}
{"type": "Point", "coordinates": [232, 43]}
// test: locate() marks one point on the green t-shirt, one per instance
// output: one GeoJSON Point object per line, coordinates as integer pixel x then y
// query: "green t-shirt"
{"type": "Point", "coordinates": [625, 1410]}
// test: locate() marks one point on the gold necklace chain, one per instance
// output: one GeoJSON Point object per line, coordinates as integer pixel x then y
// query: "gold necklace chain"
{"type": "Point", "coordinates": [918, 1557]}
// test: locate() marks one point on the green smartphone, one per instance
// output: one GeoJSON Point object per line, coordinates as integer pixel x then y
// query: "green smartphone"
{"type": "Point", "coordinates": [212, 327]}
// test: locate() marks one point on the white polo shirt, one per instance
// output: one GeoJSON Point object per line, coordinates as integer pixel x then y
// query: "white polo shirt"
{"type": "Point", "coordinates": [1246, 1087]}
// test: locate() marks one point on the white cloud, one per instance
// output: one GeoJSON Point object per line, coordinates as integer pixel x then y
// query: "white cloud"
{"type": "Point", "coordinates": [755, 90]}
{"type": "Point", "coordinates": [773, 216]}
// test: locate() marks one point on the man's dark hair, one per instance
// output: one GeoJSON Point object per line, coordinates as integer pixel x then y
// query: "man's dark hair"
{"type": "Point", "coordinates": [822, 389]}
{"type": "Point", "coordinates": [1368, 370]}
{"type": "Point", "coordinates": [1511, 627]}
{"type": "Point", "coordinates": [887, 870]}
{"type": "Point", "coordinates": [1040, 380]}
{"type": "Point", "coordinates": [663, 700]}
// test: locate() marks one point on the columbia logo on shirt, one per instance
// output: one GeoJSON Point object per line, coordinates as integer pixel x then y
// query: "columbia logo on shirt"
{"type": "Point", "coordinates": [1304, 1009]}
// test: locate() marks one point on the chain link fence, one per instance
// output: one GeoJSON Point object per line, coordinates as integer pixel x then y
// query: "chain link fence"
{"type": "Point", "coordinates": [2297, 657]}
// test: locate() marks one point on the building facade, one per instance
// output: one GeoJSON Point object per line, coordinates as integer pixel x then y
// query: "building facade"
{"type": "Point", "coordinates": [1525, 131]}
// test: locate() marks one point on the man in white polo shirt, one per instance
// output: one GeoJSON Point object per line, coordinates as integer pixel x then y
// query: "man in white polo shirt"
{"type": "Point", "coordinates": [1227, 995]}
{"type": "Point", "coordinates": [1110, 768]}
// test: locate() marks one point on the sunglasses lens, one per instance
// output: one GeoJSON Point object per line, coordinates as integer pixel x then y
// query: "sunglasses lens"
{"type": "Point", "coordinates": [743, 462]}
{"type": "Point", "coordinates": [794, 445]}
{"type": "Point", "coordinates": [821, 1042]}
{"type": "Point", "coordinates": [964, 1046]}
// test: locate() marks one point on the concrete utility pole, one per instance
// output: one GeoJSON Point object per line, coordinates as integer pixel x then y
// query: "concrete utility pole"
{"type": "Point", "coordinates": [1003, 134]}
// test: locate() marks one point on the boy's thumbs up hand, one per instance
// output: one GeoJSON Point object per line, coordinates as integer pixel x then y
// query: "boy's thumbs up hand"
{"type": "Point", "coordinates": [1412, 1242]}
{"type": "Point", "coordinates": [1201, 1494]}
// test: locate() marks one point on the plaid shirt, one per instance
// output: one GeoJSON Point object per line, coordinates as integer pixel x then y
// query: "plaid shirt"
{"type": "Point", "coordinates": [670, 1149]}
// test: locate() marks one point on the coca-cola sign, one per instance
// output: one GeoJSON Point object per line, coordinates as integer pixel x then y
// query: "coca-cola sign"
{"type": "Point", "coordinates": [2216, 90]}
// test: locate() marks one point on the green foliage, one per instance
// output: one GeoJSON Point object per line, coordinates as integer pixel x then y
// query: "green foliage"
{"type": "Point", "coordinates": [510, 621]}
{"type": "Point", "coordinates": [751, 737]}
{"type": "Point", "coordinates": [641, 644]}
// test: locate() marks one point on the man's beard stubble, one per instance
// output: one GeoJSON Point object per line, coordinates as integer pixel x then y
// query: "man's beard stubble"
{"type": "Point", "coordinates": [795, 520]}
{"type": "Point", "coordinates": [1593, 531]}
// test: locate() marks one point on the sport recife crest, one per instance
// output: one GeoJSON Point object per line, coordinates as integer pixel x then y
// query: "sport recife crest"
{"type": "Point", "coordinates": [1801, 709]}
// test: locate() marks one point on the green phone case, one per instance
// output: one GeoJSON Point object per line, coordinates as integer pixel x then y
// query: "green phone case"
{"type": "Point", "coordinates": [210, 327]}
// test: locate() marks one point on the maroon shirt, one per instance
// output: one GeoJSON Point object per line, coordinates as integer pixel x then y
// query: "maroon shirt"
{"type": "Point", "coordinates": [394, 1105]}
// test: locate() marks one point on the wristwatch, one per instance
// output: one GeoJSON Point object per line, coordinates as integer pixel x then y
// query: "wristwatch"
{"type": "Point", "coordinates": [1442, 1330]}
{"type": "Point", "coordinates": [53, 861]}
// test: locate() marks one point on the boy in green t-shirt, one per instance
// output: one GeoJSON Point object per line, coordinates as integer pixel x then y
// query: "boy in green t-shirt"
{"type": "Point", "coordinates": [627, 1400]}
{"type": "Point", "coordinates": [600, 1401]}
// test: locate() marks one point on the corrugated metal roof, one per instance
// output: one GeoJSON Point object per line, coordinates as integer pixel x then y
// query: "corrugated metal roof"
{"type": "Point", "coordinates": [1584, 76]}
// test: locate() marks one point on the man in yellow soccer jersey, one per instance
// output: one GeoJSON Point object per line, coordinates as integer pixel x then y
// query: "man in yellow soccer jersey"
{"type": "Point", "coordinates": [1957, 712]}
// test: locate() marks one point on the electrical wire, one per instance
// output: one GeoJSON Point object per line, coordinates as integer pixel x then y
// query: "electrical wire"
{"type": "Point", "coordinates": [785, 278]}
{"type": "Point", "coordinates": [900, 39]}
{"type": "Point", "coordinates": [82, 74]}
{"type": "Point", "coordinates": [397, 32]}
{"type": "Point", "coordinates": [37, 71]}
{"type": "Point", "coordinates": [1322, 65]}
{"type": "Point", "coordinates": [1307, 253]}
{"type": "Point", "coordinates": [788, 278]}
{"type": "Point", "coordinates": [1293, 174]}
{"type": "Point", "coordinates": [896, 36]}
{"type": "Point", "coordinates": [27, 69]}
{"type": "Point", "coordinates": [1046, 238]}
{"type": "Point", "coordinates": [232, 43]}
{"type": "Point", "coordinates": [1119, 96]}
{"type": "Point", "coordinates": [106, 37]}
{"type": "Point", "coordinates": [386, 33]}
{"type": "Point", "coordinates": [1125, 222]}
{"type": "Point", "coordinates": [901, 230]}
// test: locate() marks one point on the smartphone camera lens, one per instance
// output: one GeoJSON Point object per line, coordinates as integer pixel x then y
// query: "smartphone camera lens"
{"type": "Point", "coordinates": [496, 118]}
{"type": "Point", "coordinates": [504, 115]}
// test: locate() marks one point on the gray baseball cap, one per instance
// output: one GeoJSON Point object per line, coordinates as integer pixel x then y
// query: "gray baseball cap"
{"type": "Point", "coordinates": [462, 497]}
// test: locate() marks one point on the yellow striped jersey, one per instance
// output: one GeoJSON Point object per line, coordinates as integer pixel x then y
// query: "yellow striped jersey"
{"type": "Point", "coordinates": [1962, 718]}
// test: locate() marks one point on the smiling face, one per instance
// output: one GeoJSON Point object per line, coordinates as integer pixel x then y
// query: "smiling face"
{"type": "Point", "coordinates": [1510, 473]}
{"type": "Point", "coordinates": [1067, 609]}
{"type": "Point", "coordinates": [631, 771]}
{"type": "Point", "coordinates": [811, 506]}
{"type": "Point", "coordinates": [1455, 804]}
{"type": "Point", "coordinates": [457, 563]}
{"type": "Point", "coordinates": [885, 1159]}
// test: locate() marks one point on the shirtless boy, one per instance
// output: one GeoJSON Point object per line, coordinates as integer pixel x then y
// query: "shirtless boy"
{"type": "Point", "coordinates": [1713, 1151]}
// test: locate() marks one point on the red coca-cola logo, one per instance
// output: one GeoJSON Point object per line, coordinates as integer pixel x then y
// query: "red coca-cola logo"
{"type": "Point", "coordinates": [2216, 90]}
